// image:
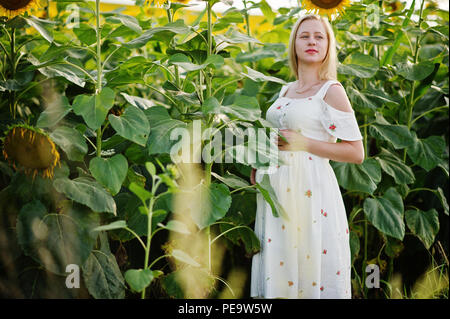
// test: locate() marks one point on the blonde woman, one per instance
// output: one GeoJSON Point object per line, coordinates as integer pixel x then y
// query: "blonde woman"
{"type": "Point", "coordinates": [308, 254]}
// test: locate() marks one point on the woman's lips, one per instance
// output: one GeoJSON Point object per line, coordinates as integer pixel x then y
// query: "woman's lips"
{"type": "Point", "coordinates": [311, 51]}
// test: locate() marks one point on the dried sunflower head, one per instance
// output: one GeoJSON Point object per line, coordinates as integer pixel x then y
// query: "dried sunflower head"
{"type": "Point", "coordinates": [31, 149]}
{"type": "Point", "coordinates": [327, 7]}
{"type": "Point", "coordinates": [12, 8]}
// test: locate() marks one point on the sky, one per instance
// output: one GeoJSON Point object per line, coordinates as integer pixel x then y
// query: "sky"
{"type": "Point", "coordinates": [275, 4]}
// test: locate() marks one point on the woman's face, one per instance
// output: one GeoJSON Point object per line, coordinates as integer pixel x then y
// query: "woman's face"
{"type": "Point", "coordinates": [311, 42]}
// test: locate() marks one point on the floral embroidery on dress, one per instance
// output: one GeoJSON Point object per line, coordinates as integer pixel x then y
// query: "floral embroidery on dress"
{"type": "Point", "coordinates": [321, 288]}
{"type": "Point", "coordinates": [290, 283]}
{"type": "Point", "coordinates": [308, 193]}
{"type": "Point", "coordinates": [269, 240]}
{"type": "Point", "coordinates": [324, 251]}
{"type": "Point", "coordinates": [332, 127]}
{"type": "Point", "coordinates": [338, 273]}
{"type": "Point", "coordinates": [281, 263]}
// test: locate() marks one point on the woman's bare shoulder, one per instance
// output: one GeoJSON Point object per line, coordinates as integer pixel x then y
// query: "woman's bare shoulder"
{"type": "Point", "coordinates": [337, 98]}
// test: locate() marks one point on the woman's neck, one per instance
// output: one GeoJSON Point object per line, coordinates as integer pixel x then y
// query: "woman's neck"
{"type": "Point", "coordinates": [308, 74]}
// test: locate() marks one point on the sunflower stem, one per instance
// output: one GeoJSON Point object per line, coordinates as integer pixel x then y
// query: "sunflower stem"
{"type": "Point", "coordinates": [99, 70]}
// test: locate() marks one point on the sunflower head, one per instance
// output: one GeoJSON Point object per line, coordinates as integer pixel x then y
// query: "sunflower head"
{"type": "Point", "coordinates": [325, 7]}
{"type": "Point", "coordinates": [31, 149]}
{"type": "Point", "coordinates": [12, 8]}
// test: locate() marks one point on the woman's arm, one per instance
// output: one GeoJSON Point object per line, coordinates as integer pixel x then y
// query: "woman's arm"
{"type": "Point", "coordinates": [345, 151]}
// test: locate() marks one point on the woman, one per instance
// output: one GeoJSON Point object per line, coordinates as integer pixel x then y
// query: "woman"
{"type": "Point", "coordinates": [308, 254]}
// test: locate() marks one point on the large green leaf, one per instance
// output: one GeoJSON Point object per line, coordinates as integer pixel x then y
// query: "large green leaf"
{"type": "Point", "coordinates": [424, 225]}
{"type": "Point", "coordinates": [415, 72]}
{"type": "Point", "coordinates": [54, 112]}
{"type": "Point", "coordinates": [42, 26]}
{"type": "Point", "coordinates": [169, 30]}
{"type": "Point", "coordinates": [234, 37]}
{"type": "Point", "coordinates": [243, 107]}
{"type": "Point", "coordinates": [110, 172]}
{"type": "Point", "coordinates": [260, 77]}
{"type": "Point", "coordinates": [231, 180]}
{"type": "Point", "coordinates": [395, 167]}
{"type": "Point", "coordinates": [102, 275]}
{"type": "Point", "coordinates": [161, 125]}
{"type": "Point", "coordinates": [127, 21]}
{"type": "Point", "coordinates": [94, 108]}
{"type": "Point", "coordinates": [87, 192]}
{"type": "Point", "coordinates": [271, 197]}
{"type": "Point", "coordinates": [358, 177]}
{"type": "Point", "coordinates": [56, 240]}
{"type": "Point", "coordinates": [71, 142]}
{"type": "Point", "coordinates": [214, 204]}
{"type": "Point", "coordinates": [398, 135]}
{"type": "Point", "coordinates": [242, 234]}
{"type": "Point", "coordinates": [386, 213]}
{"type": "Point", "coordinates": [427, 153]}
{"type": "Point", "coordinates": [132, 125]}
{"type": "Point", "coordinates": [359, 65]}
{"type": "Point", "coordinates": [139, 279]}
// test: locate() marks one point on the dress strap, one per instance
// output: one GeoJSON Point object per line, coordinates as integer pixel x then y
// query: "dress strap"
{"type": "Point", "coordinates": [284, 89]}
{"type": "Point", "coordinates": [323, 90]}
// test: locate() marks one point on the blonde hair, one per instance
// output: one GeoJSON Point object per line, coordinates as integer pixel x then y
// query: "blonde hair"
{"type": "Point", "coordinates": [328, 69]}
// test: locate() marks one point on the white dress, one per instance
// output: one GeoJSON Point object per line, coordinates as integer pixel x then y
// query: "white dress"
{"type": "Point", "coordinates": [307, 256]}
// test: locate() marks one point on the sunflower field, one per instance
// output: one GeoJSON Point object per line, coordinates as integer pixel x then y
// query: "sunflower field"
{"type": "Point", "coordinates": [94, 202]}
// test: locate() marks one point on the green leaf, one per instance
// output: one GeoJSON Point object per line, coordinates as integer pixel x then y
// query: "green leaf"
{"type": "Point", "coordinates": [39, 25]}
{"type": "Point", "coordinates": [161, 125]}
{"type": "Point", "coordinates": [132, 125]}
{"type": "Point", "coordinates": [214, 204]}
{"type": "Point", "coordinates": [255, 56]}
{"type": "Point", "coordinates": [168, 31]}
{"type": "Point", "coordinates": [139, 279]}
{"type": "Point", "coordinates": [58, 239]}
{"type": "Point", "coordinates": [118, 224]}
{"type": "Point", "coordinates": [271, 197]}
{"type": "Point", "coordinates": [398, 135]}
{"type": "Point", "coordinates": [128, 21]}
{"type": "Point", "coordinates": [176, 226]}
{"type": "Point", "coordinates": [54, 112]}
{"type": "Point", "coordinates": [102, 275]}
{"type": "Point", "coordinates": [140, 192]}
{"type": "Point", "coordinates": [231, 180]}
{"type": "Point", "coordinates": [71, 142]}
{"type": "Point", "coordinates": [244, 107]}
{"type": "Point", "coordinates": [243, 235]}
{"type": "Point", "coordinates": [386, 213]}
{"type": "Point", "coordinates": [439, 193]}
{"type": "Point", "coordinates": [110, 172]}
{"type": "Point", "coordinates": [363, 177]}
{"type": "Point", "coordinates": [260, 77]}
{"type": "Point", "coordinates": [424, 225]}
{"type": "Point", "coordinates": [395, 167]}
{"type": "Point", "coordinates": [359, 65]}
{"type": "Point", "coordinates": [85, 33]}
{"type": "Point", "coordinates": [376, 39]}
{"type": "Point", "coordinates": [211, 106]}
{"type": "Point", "coordinates": [427, 153]}
{"type": "Point", "coordinates": [94, 108]}
{"type": "Point", "coordinates": [87, 192]}
{"type": "Point", "coordinates": [415, 72]}
{"type": "Point", "coordinates": [184, 257]}
{"type": "Point", "coordinates": [234, 36]}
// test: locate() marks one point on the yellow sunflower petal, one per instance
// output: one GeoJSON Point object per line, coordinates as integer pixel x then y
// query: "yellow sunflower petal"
{"type": "Point", "coordinates": [325, 7]}
{"type": "Point", "coordinates": [12, 8]}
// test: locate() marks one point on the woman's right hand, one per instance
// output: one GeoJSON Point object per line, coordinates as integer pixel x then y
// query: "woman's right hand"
{"type": "Point", "coordinates": [252, 176]}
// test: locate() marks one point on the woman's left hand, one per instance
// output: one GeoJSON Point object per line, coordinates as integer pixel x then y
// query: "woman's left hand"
{"type": "Point", "coordinates": [296, 141]}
